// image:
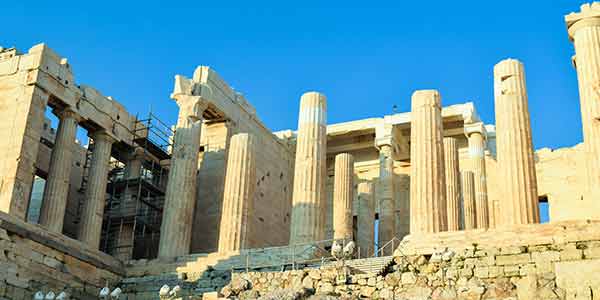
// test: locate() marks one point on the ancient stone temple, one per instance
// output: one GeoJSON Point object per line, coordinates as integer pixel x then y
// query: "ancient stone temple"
{"type": "Point", "coordinates": [431, 203]}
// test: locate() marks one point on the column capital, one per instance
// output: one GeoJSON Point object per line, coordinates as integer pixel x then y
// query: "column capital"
{"type": "Point", "coordinates": [477, 127]}
{"type": "Point", "coordinates": [589, 15]}
{"type": "Point", "coordinates": [67, 112]}
{"type": "Point", "coordinates": [387, 134]}
{"type": "Point", "coordinates": [102, 135]}
{"type": "Point", "coordinates": [191, 107]}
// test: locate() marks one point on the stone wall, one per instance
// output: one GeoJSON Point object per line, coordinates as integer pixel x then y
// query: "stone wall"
{"type": "Point", "coordinates": [559, 261]}
{"type": "Point", "coordinates": [32, 259]}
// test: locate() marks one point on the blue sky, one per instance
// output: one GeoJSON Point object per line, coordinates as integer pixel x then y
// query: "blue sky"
{"type": "Point", "coordinates": [365, 56]}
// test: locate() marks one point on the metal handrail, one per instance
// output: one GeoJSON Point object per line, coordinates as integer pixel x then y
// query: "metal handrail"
{"type": "Point", "coordinates": [380, 250]}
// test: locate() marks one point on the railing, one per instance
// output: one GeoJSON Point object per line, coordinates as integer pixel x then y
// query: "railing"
{"type": "Point", "coordinates": [390, 244]}
{"type": "Point", "coordinates": [310, 254]}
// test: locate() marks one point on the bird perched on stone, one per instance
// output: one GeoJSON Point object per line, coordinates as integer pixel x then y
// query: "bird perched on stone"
{"type": "Point", "coordinates": [62, 296]}
{"type": "Point", "coordinates": [104, 292]}
{"type": "Point", "coordinates": [50, 296]}
{"type": "Point", "coordinates": [163, 293]}
{"type": "Point", "coordinates": [349, 249]}
{"type": "Point", "coordinates": [116, 293]}
{"type": "Point", "coordinates": [336, 250]}
{"type": "Point", "coordinates": [39, 296]}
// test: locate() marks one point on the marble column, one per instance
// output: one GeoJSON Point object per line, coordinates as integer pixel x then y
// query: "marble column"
{"type": "Point", "coordinates": [238, 196]}
{"type": "Point", "coordinates": [95, 192]}
{"type": "Point", "coordinates": [365, 233]}
{"type": "Point", "coordinates": [467, 180]}
{"type": "Point", "coordinates": [56, 192]}
{"type": "Point", "coordinates": [180, 198]}
{"type": "Point", "coordinates": [308, 211]}
{"type": "Point", "coordinates": [514, 147]}
{"type": "Point", "coordinates": [133, 168]}
{"type": "Point", "coordinates": [476, 137]}
{"type": "Point", "coordinates": [584, 32]}
{"type": "Point", "coordinates": [452, 183]}
{"type": "Point", "coordinates": [387, 203]}
{"type": "Point", "coordinates": [427, 180]}
{"type": "Point", "coordinates": [343, 196]}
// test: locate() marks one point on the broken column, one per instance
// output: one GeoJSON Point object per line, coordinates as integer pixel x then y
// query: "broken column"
{"type": "Point", "coordinates": [452, 183]}
{"type": "Point", "coordinates": [476, 136]}
{"type": "Point", "coordinates": [513, 143]}
{"type": "Point", "coordinates": [427, 182]}
{"type": "Point", "coordinates": [238, 196]}
{"type": "Point", "coordinates": [467, 180]}
{"type": "Point", "coordinates": [95, 192]}
{"type": "Point", "coordinates": [308, 211]}
{"type": "Point", "coordinates": [180, 198]}
{"type": "Point", "coordinates": [584, 32]}
{"type": "Point", "coordinates": [365, 233]}
{"type": "Point", "coordinates": [56, 192]}
{"type": "Point", "coordinates": [343, 196]}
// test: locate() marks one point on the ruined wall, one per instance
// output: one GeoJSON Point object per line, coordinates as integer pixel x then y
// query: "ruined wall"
{"type": "Point", "coordinates": [547, 262]}
{"type": "Point", "coordinates": [32, 259]}
{"type": "Point", "coordinates": [274, 173]}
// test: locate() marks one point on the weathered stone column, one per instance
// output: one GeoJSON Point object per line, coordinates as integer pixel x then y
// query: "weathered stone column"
{"type": "Point", "coordinates": [133, 168]}
{"type": "Point", "coordinates": [427, 182]}
{"type": "Point", "coordinates": [308, 212]}
{"type": "Point", "coordinates": [238, 196]}
{"type": "Point", "coordinates": [468, 199]}
{"type": "Point", "coordinates": [476, 136]}
{"type": "Point", "coordinates": [343, 196]}
{"type": "Point", "coordinates": [365, 233]}
{"type": "Point", "coordinates": [178, 210]}
{"type": "Point", "coordinates": [95, 193]}
{"type": "Point", "coordinates": [54, 203]}
{"type": "Point", "coordinates": [452, 183]}
{"type": "Point", "coordinates": [584, 32]}
{"type": "Point", "coordinates": [387, 203]}
{"type": "Point", "coordinates": [514, 147]}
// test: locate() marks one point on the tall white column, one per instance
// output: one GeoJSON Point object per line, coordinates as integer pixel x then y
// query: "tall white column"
{"type": "Point", "coordinates": [468, 199]}
{"type": "Point", "coordinates": [95, 193]}
{"type": "Point", "coordinates": [427, 180]}
{"type": "Point", "coordinates": [514, 146]}
{"type": "Point", "coordinates": [476, 136]}
{"type": "Point", "coordinates": [365, 233]}
{"type": "Point", "coordinates": [56, 192]}
{"type": "Point", "coordinates": [308, 212]}
{"type": "Point", "coordinates": [178, 211]}
{"type": "Point", "coordinates": [452, 183]}
{"type": "Point", "coordinates": [343, 196]}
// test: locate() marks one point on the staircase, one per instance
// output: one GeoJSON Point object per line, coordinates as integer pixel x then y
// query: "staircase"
{"type": "Point", "coordinates": [371, 265]}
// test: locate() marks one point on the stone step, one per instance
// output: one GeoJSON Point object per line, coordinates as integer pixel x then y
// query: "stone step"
{"type": "Point", "coordinates": [373, 265]}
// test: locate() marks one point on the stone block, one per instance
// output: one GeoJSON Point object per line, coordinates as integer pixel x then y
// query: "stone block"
{"type": "Point", "coordinates": [546, 256]}
{"type": "Point", "coordinates": [591, 253]}
{"type": "Point", "coordinates": [408, 278]}
{"type": "Point", "coordinates": [571, 254]}
{"type": "Point", "coordinates": [512, 270]}
{"type": "Point", "coordinates": [481, 272]}
{"type": "Point", "coordinates": [52, 262]}
{"type": "Point", "coordinates": [508, 250]}
{"type": "Point", "coordinates": [516, 259]}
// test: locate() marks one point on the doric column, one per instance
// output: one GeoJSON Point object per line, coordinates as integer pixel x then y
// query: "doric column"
{"type": "Point", "coordinates": [308, 212]}
{"type": "Point", "coordinates": [514, 147]}
{"type": "Point", "coordinates": [476, 136]}
{"type": "Point", "coordinates": [95, 193]}
{"type": "Point", "coordinates": [584, 32]}
{"type": "Point", "coordinates": [365, 233]}
{"type": "Point", "coordinates": [427, 180]}
{"type": "Point", "coordinates": [238, 196]}
{"type": "Point", "coordinates": [180, 198]}
{"type": "Point", "coordinates": [386, 140]}
{"type": "Point", "coordinates": [467, 180]}
{"type": "Point", "coordinates": [56, 192]}
{"type": "Point", "coordinates": [343, 196]}
{"type": "Point", "coordinates": [452, 183]}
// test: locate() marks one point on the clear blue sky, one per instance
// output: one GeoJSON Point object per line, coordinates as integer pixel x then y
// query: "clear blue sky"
{"type": "Point", "coordinates": [365, 56]}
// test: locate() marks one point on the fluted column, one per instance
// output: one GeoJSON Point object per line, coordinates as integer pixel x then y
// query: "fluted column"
{"type": "Point", "coordinates": [343, 196]}
{"type": "Point", "coordinates": [180, 198]}
{"type": "Point", "coordinates": [238, 195]}
{"type": "Point", "coordinates": [387, 203]}
{"type": "Point", "coordinates": [427, 182]}
{"type": "Point", "coordinates": [452, 183]}
{"type": "Point", "coordinates": [56, 192]}
{"type": "Point", "coordinates": [308, 212]}
{"type": "Point", "coordinates": [476, 136]}
{"type": "Point", "coordinates": [365, 233]}
{"type": "Point", "coordinates": [514, 147]}
{"type": "Point", "coordinates": [95, 193]}
{"type": "Point", "coordinates": [467, 181]}
{"type": "Point", "coordinates": [584, 32]}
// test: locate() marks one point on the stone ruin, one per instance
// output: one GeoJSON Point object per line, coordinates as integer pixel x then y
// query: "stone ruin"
{"type": "Point", "coordinates": [219, 206]}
